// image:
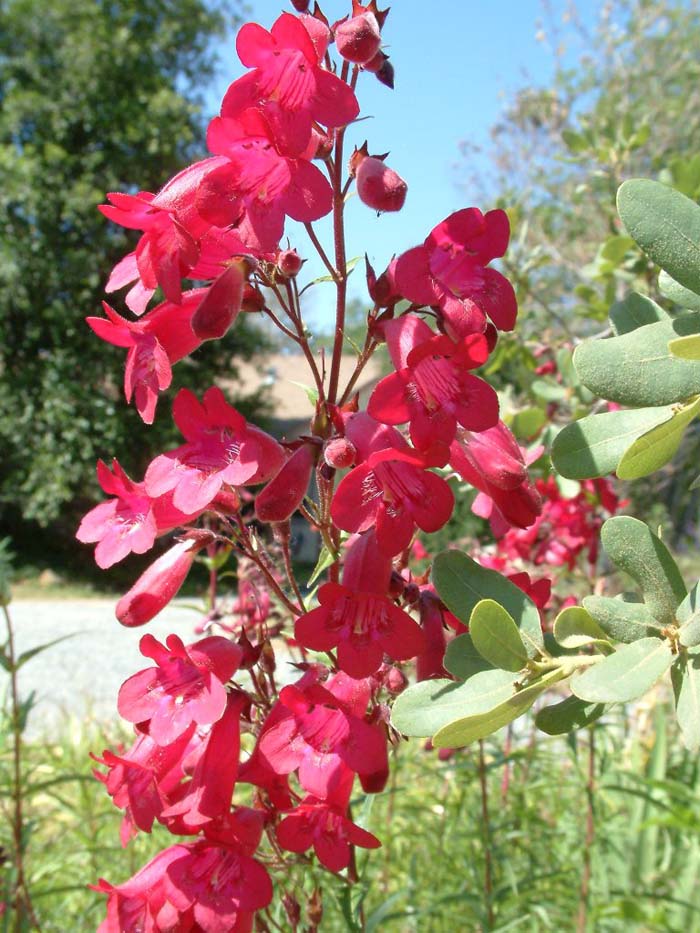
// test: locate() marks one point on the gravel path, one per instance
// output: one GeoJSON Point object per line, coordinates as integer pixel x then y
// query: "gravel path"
{"type": "Point", "coordinates": [81, 676]}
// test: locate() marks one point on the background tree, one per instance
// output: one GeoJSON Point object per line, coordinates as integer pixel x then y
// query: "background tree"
{"type": "Point", "coordinates": [76, 78]}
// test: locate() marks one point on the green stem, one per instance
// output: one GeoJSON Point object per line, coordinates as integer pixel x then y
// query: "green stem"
{"type": "Point", "coordinates": [486, 839]}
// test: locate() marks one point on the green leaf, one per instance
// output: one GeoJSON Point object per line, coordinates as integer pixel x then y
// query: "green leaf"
{"type": "Point", "coordinates": [311, 391]}
{"type": "Point", "coordinates": [635, 311]}
{"type": "Point", "coordinates": [622, 621]}
{"type": "Point", "coordinates": [462, 660]}
{"type": "Point", "coordinates": [682, 296]}
{"type": "Point", "coordinates": [568, 715]}
{"type": "Point", "coordinates": [325, 560]}
{"type": "Point", "coordinates": [686, 348]}
{"type": "Point", "coordinates": [470, 728]}
{"type": "Point", "coordinates": [616, 247]}
{"type": "Point", "coordinates": [595, 445]}
{"type": "Point", "coordinates": [549, 391]}
{"type": "Point", "coordinates": [461, 583]}
{"type": "Point", "coordinates": [666, 224]}
{"type": "Point", "coordinates": [636, 550]}
{"type": "Point", "coordinates": [685, 675]}
{"type": "Point", "coordinates": [574, 627]}
{"type": "Point", "coordinates": [688, 615]}
{"type": "Point", "coordinates": [528, 422]}
{"type": "Point", "coordinates": [637, 368]}
{"type": "Point", "coordinates": [424, 708]}
{"type": "Point", "coordinates": [655, 448]}
{"type": "Point", "coordinates": [496, 637]}
{"type": "Point", "coordinates": [626, 674]}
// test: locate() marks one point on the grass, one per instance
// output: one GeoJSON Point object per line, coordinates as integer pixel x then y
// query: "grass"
{"type": "Point", "coordinates": [429, 874]}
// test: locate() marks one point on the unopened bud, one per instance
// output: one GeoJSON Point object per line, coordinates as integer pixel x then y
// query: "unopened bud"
{"type": "Point", "coordinates": [379, 186]}
{"type": "Point", "coordinates": [376, 63]}
{"type": "Point", "coordinates": [411, 594]}
{"type": "Point", "coordinates": [157, 585]}
{"type": "Point", "coordinates": [251, 653]}
{"type": "Point", "coordinates": [339, 453]}
{"type": "Point", "coordinates": [292, 908]}
{"type": "Point", "coordinates": [314, 908]}
{"type": "Point", "coordinates": [220, 306]}
{"type": "Point", "coordinates": [283, 495]}
{"type": "Point", "coordinates": [253, 299]}
{"type": "Point", "coordinates": [289, 263]}
{"type": "Point", "coordinates": [395, 681]}
{"type": "Point", "coordinates": [301, 6]}
{"type": "Point", "coordinates": [397, 585]}
{"type": "Point", "coordinates": [358, 39]}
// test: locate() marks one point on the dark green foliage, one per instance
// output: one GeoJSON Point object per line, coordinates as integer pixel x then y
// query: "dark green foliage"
{"type": "Point", "coordinates": [95, 96]}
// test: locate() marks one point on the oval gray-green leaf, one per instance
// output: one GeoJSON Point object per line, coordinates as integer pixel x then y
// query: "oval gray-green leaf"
{"type": "Point", "coordinates": [425, 708]}
{"type": "Point", "coordinates": [636, 550]}
{"type": "Point", "coordinates": [637, 368]}
{"type": "Point", "coordinates": [685, 675]}
{"type": "Point", "coordinates": [594, 445]}
{"type": "Point", "coordinates": [461, 583]}
{"type": "Point", "coordinates": [626, 674]}
{"type": "Point", "coordinates": [635, 311]}
{"type": "Point", "coordinates": [572, 713]}
{"type": "Point", "coordinates": [462, 660]}
{"type": "Point", "coordinates": [682, 296]}
{"type": "Point", "coordinates": [688, 616]}
{"type": "Point", "coordinates": [666, 224]}
{"type": "Point", "coordinates": [496, 637]}
{"type": "Point", "coordinates": [622, 621]}
{"type": "Point", "coordinates": [574, 627]}
{"type": "Point", "coordinates": [468, 729]}
{"type": "Point", "coordinates": [656, 447]}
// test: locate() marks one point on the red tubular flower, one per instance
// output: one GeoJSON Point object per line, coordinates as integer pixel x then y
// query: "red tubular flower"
{"type": "Point", "coordinates": [161, 338]}
{"type": "Point", "coordinates": [130, 522]}
{"type": "Point", "coordinates": [321, 733]}
{"type": "Point", "coordinates": [392, 490]}
{"type": "Point", "coordinates": [287, 70]}
{"type": "Point", "coordinates": [430, 661]}
{"type": "Point", "coordinates": [325, 827]}
{"type": "Point", "coordinates": [187, 685]}
{"type": "Point", "coordinates": [158, 584]}
{"type": "Point", "coordinates": [358, 618]}
{"type": "Point", "coordinates": [140, 780]}
{"type": "Point", "coordinates": [450, 270]}
{"type": "Point", "coordinates": [207, 796]}
{"type": "Point", "coordinates": [222, 448]}
{"type": "Point", "coordinates": [432, 388]}
{"type": "Point", "coordinates": [283, 495]}
{"type": "Point", "coordinates": [493, 463]}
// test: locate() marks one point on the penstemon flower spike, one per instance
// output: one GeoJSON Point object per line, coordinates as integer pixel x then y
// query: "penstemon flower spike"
{"type": "Point", "coordinates": [276, 152]}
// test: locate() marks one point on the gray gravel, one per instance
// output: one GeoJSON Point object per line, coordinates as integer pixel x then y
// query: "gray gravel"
{"type": "Point", "coordinates": [82, 675]}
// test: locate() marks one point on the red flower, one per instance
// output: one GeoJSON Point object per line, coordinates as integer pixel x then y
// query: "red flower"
{"type": "Point", "coordinates": [432, 388]}
{"type": "Point", "coordinates": [187, 685]}
{"type": "Point", "coordinates": [493, 463]}
{"type": "Point", "coordinates": [358, 618]}
{"type": "Point", "coordinates": [222, 448]}
{"type": "Point", "coordinates": [130, 522]}
{"type": "Point", "coordinates": [162, 337]}
{"type": "Point", "coordinates": [287, 70]}
{"type": "Point", "coordinates": [325, 827]}
{"type": "Point", "coordinates": [392, 490]}
{"type": "Point", "coordinates": [321, 733]}
{"type": "Point", "coordinates": [140, 780]}
{"type": "Point", "coordinates": [158, 584]}
{"type": "Point", "coordinates": [283, 495]}
{"type": "Point", "coordinates": [450, 270]}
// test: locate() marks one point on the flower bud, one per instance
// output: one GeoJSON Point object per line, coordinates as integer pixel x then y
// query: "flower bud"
{"type": "Point", "coordinates": [358, 39]}
{"type": "Point", "coordinates": [158, 584]}
{"type": "Point", "coordinates": [289, 263]}
{"type": "Point", "coordinates": [429, 664]}
{"type": "Point", "coordinates": [376, 63]}
{"type": "Point", "coordinates": [301, 6]}
{"type": "Point", "coordinates": [411, 594]}
{"type": "Point", "coordinates": [220, 306]}
{"type": "Point", "coordinates": [385, 74]}
{"type": "Point", "coordinates": [283, 495]}
{"type": "Point", "coordinates": [253, 299]}
{"type": "Point", "coordinates": [339, 453]}
{"type": "Point", "coordinates": [395, 681]}
{"type": "Point", "coordinates": [379, 186]}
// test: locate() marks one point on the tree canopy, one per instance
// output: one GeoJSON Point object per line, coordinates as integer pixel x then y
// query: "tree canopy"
{"type": "Point", "coordinates": [95, 96]}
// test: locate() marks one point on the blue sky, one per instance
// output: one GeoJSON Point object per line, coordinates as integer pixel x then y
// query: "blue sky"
{"type": "Point", "coordinates": [455, 64]}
